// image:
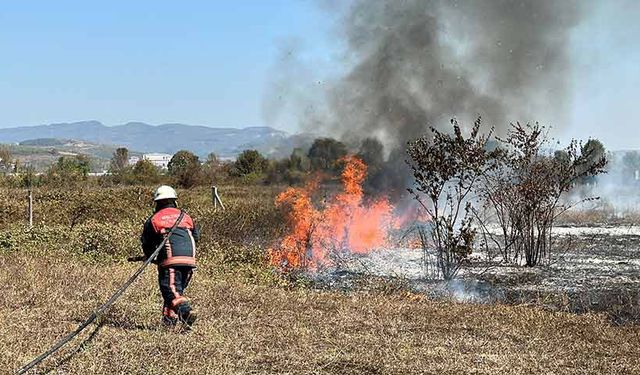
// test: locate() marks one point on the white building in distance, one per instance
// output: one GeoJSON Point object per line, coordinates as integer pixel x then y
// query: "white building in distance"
{"type": "Point", "coordinates": [133, 160]}
{"type": "Point", "coordinates": [158, 159]}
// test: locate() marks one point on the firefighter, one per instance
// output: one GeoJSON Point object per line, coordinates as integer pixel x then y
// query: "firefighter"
{"type": "Point", "coordinates": [176, 260]}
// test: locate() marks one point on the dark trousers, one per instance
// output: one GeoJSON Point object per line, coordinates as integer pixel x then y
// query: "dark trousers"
{"type": "Point", "coordinates": [173, 281]}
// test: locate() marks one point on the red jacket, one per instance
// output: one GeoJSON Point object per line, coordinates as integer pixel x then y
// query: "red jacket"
{"type": "Point", "coordinates": [180, 249]}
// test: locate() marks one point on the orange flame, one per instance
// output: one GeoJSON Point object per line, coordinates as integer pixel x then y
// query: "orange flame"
{"type": "Point", "coordinates": [346, 224]}
{"type": "Point", "coordinates": [301, 218]}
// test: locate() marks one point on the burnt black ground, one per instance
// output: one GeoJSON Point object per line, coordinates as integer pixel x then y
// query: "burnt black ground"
{"type": "Point", "coordinates": [587, 272]}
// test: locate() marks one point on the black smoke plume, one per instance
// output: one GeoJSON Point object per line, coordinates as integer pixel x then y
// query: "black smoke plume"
{"type": "Point", "coordinates": [417, 63]}
{"type": "Point", "coordinates": [411, 64]}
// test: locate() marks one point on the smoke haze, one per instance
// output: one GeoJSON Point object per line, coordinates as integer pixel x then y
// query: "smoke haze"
{"type": "Point", "coordinates": [411, 64]}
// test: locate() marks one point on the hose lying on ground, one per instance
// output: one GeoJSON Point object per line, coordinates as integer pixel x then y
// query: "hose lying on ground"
{"type": "Point", "coordinates": [96, 313]}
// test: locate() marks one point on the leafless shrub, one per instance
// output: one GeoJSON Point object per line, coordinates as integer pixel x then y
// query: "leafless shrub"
{"type": "Point", "coordinates": [520, 182]}
{"type": "Point", "coordinates": [525, 188]}
{"type": "Point", "coordinates": [446, 168]}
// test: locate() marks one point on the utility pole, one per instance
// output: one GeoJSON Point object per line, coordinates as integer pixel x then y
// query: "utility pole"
{"type": "Point", "coordinates": [216, 198]}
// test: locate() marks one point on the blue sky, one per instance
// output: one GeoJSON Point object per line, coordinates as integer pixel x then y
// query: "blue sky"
{"type": "Point", "coordinates": [198, 62]}
{"type": "Point", "coordinates": [606, 53]}
{"type": "Point", "coordinates": [211, 62]}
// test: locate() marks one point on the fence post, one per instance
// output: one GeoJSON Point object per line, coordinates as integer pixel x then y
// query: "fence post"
{"type": "Point", "coordinates": [216, 198]}
{"type": "Point", "coordinates": [30, 209]}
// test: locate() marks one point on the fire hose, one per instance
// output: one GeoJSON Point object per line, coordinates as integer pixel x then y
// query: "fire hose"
{"type": "Point", "coordinates": [97, 313]}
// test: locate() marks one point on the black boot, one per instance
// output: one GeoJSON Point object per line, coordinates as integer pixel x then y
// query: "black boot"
{"type": "Point", "coordinates": [185, 314]}
{"type": "Point", "coordinates": [169, 317]}
{"type": "Point", "coordinates": [169, 322]}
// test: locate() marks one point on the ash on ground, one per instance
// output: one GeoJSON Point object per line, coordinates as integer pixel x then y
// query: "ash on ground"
{"type": "Point", "coordinates": [592, 269]}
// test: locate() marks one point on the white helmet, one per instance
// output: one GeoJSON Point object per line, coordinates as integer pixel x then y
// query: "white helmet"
{"type": "Point", "coordinates": [164, 192]}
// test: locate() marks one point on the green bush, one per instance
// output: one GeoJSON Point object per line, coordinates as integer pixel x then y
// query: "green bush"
{"type": "Point", "coordinates": [101, 239]}
{"type": "Point", "coordinates": [185, 168]}
{"type": "Point", "coordinates": [106, 223]}
{"type": "Point", "coordinates": [250, 164]}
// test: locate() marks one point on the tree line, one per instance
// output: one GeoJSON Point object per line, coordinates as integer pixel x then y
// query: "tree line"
{"type": "Point", "coordinates": [386, 173]}
{"type": "Point", "coordinates": [186, 169]}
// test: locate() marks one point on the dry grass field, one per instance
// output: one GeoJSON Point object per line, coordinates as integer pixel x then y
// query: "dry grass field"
{"type": "Point", "coordinates": [251, 320]}
{"type": "Point", "coordinates": [252, 328]}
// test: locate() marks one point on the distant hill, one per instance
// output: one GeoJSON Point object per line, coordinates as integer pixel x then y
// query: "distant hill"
{"type": "Point", "coordinates": [167, 138]}
{"type": "Point", "coordinates": [45, 142]}
{"type": "Point", "coordinates": [42, 152]}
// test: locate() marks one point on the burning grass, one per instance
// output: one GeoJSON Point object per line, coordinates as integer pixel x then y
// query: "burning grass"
{"type": "Point", "coordinates": [249, 327]}
{"type": "Point", "coordinates": [340, 225]}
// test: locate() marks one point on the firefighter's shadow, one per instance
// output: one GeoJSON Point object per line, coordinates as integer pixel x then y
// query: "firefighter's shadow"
{"type": "Point", "coordinates": [127, 324]}
{"type": "Point", "coordinates": [123, 322]}
{"type": "Point", "coordinates": [80, 348]}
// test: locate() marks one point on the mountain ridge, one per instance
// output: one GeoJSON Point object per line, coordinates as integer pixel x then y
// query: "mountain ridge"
{"type": "Point", "coordinates": [167, 138]}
